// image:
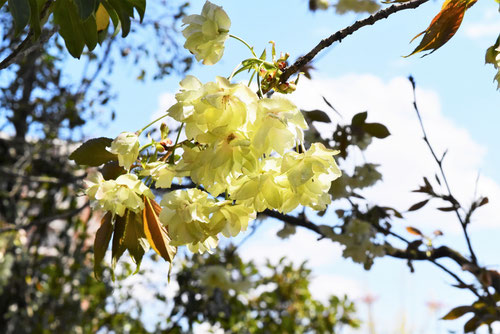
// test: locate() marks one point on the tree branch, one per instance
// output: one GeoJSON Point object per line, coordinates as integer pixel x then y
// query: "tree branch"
{"type": "Point", "coordinates": [341, 34]}
{"type": "Point", "coordinates": [408, 254]}
{"type": "Point", "coordinates": [26, 47]}
{"type": "Point", "coordinates": [456, 205]}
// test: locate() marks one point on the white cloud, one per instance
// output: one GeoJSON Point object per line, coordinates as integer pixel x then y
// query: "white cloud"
{"type": "Point", "coordinates": [403, 156]}
{"type": "Point", "coordinates": [325, 285]}
{"type": "Point", "coordinates": [487, 27]}
{"type": "Point", "coordinates": [301, 246]}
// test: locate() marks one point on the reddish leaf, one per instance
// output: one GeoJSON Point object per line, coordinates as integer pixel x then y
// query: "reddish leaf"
{"type": "Point", "coordinates": [101, 242]}
{"type": "Point", "coordinates": [414, 231]}
{"type": "Point", "coordinates": [484, 201]}
{"type": "Point", "coordinates": [444, 25]}
{"type": "Point", "coordinates": [156, 233]}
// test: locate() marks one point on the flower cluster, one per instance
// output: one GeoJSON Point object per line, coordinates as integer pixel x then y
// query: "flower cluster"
{"type": "Point", "coordinates": [244, 153]}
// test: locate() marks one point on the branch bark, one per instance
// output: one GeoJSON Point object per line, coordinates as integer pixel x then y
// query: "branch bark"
{"type": "Point", "coordinates": [341, 34]}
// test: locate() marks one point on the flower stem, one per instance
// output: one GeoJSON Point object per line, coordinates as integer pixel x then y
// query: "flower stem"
{"type": "Point", "coordinates": [172, 157]}
{"type": "Point", "coordinates": [151, 123]}
{"type": "Point", "coordinates": [246, 44]}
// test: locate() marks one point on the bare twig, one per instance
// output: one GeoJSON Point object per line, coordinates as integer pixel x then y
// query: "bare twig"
{"type": "Point", "coordinates": [413, 254]}
{"type": "Point", "coordinates": [341, 34]}
{"type": "Point", "coordinates": [456, 205]}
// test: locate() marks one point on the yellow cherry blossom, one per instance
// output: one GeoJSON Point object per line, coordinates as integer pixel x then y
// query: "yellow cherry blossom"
{"type": "Point", "coordinates": [206, 33]}
{"type": "Point", "coordinates": [126, 147]}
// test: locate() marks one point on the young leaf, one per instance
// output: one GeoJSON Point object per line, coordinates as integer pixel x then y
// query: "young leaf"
{"type": "Point", "coordinates": [457, 312]}
{"type": "Point", "coordinates": [118, 246]}
{"type": "Point", "coordinates": [414, 231]}
{"type": "Point", "coordinates": [444, 25]}
{"type": "Point", "coordinates": [447, 209]}
{"type": "Point", "coordinates": [101, 242]}
{"type": "Point", "coordinates": [484, 201]}
{"type": "Point", "coordinates": [93, 152]}
{"type": "Point", "coordinates": [418, 205]}
{"type": "Point", "coordinates": [377, 130]}
{"type": "Point", "coordinates": [317, 116]}
{"type": "Point", "coordinates": [155, 232]}
{"type": "Point", "coordinates": [472, 324]}
{"type": "Point", "coordinates": [135, 239]}
{"type": "Point", "coordinates": [359, 119]}
{"type": "Point", "coordinates": [20, 11]}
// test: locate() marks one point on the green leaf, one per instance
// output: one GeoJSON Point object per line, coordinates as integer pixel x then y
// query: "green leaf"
{"type": "Point", "coordinates": [101, 242]}
{"type": "Point", "coordinates": [20, 11]}
{"type": "Point", "coordinates": [71, 26]}
{"type": "Point", "coordinates": [317, 116]}
{"type": "Point", "coordinates": [457, 312]}
{"type": "Point", "coordinates": [89, 29]}
{"type": "Point", "coordinates": [377, 130]}
{"type": "Point", "coordinates": [35, 18]}
{"type": "Point", "coordinates": [113, 15]}
{"type": "Point", "coordinates": [124, 11]}
{"type": "Point", "coordinates": [140, 6]}
{"type": "Point", "coordinates": [93, 152]}
{"type": "Point", "coordinates": [111, 170]}
{"type": "Point", "coordinates": [86, 8]}
{"type": "Point", "coordinates": [359, 119]}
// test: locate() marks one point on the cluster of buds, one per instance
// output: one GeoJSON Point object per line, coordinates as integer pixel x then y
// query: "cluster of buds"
{"type": "Point", "coordinates": [271, 74]}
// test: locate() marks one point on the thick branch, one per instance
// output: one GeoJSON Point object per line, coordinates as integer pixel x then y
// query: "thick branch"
{"type": "Point", "coordinates": [27, 46]}
{"type": "Point", "coordinates": [341, 34]}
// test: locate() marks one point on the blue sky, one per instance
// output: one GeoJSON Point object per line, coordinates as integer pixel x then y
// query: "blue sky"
{"type": "Point", "coordinates": [459, 103]}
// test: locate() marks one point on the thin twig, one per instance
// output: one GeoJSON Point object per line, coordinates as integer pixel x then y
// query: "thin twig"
{"type": "Point", "coordinates": [341, 34]}
{"type": "Point", "coordinates": [414, 255]}
{"type": "Point", "coordinates": [454, 202]}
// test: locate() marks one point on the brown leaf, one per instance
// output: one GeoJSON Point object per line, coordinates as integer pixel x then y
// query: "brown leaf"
{"type": "Point", "coordinates": [418, 205]}
{"type": "Point", "coordinates": [444, 25]}
{"type": "Point", "coordinates": [135, 240]}
{"type": "Point", "coordinates": [457, 312]}
{"type": "Point", "coordinates": [156, 233]}
{"type": "Point", "coordinates": [118, 246]}
{"type": "Point", "coordinates": [484, 201]}
{"type": "Point", "coordinates": [447, 209]}
{"type": "Point", "coordinates": [101, 242]}
{"type": "Point", "coordinates": [414, 231]}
